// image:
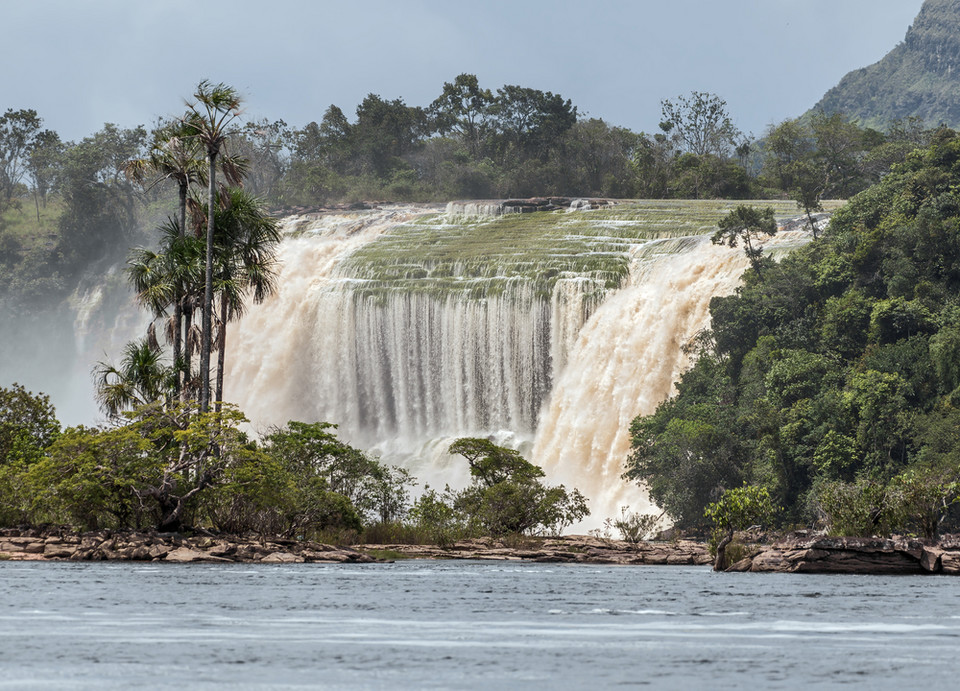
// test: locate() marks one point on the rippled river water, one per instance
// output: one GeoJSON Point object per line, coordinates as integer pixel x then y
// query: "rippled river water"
{"type": "Point", "coordinates": [418, 624]}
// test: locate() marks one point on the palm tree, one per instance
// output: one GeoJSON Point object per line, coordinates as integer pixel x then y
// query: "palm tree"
{"type": "Point", "coordinates": [169, 276]}
{"type": "Point", "coordinates": [173, 156]}
{"type": "Point", "coordinates": [141, 378]}
{"type": "Point", "coordinates": [208, 121]}
{"type": "Point", "coordinates": [245, 243]}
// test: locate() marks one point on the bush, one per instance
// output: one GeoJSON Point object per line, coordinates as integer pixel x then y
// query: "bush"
{"type": "Point", "coordinates": [635, 527]}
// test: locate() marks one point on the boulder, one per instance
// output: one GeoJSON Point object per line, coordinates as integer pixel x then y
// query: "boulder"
{"type": "Point", "coordinates": [282, 558]}
{"type": "Point", "coordinates": [741, 566]}
{"type": "Point", "coordinates": [930, 559]}
{"type": "Point", "coordinates": [158, 551]}
{"type": "Point", "coordinates": [950, 562]}
{"type": "Point", "coordinates": [182, 555]}
{"type": "Point", "coordinates": [55, 550]}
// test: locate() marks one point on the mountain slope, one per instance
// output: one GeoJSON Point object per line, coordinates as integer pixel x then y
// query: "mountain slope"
{"type": "Point", "coordinates": [919, 77]}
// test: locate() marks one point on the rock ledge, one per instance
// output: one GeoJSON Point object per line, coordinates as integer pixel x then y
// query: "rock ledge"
{"type": "Point", "coordinates": [53, 545]}
{"type": "Point", "coordinates": [856, 555]}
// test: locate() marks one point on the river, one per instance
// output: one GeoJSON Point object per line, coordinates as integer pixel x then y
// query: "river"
{"type": "Point", "coordinates": [435, 624]}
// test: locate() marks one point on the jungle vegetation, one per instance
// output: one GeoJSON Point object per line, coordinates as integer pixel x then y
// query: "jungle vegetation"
{"type": "Point", "coordinates": [830, 379]}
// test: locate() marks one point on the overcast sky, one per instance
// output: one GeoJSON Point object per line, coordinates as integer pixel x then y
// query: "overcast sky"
{"type": "Point", "coordinates": [81, 63]}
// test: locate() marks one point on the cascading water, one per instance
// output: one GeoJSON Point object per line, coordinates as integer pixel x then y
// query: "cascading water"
{"type": "Point", "coordinates": [409, 328]}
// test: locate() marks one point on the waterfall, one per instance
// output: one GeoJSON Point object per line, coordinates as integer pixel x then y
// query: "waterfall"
{"type": "Point", "coordinates": [408, 328]}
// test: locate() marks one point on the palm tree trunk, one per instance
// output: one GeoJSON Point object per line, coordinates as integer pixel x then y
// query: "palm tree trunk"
{"type": "Point", "coordinates": [187, 391]}
{"type": "Point", "coordinates": [179, 380]}
{"type": "Point", "coordinates": [206, 336]}
{"type": "Point", "coordinates": [221, 349]}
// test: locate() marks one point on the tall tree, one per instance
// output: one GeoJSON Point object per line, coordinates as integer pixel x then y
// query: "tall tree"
{"type": "Point", "coordinates": [839, 151]}
{"type": "Point", "coordinates": [463, 108]}
{"type": "Point", "coordinates": [43, 164]}
{"type": "Point", "coordinates": [700, 123]}
{"type": "Point", "coordinates": [210, 120]}
{"type": "Point", "coordinates": [532, 120]}
{"type": "Point", "coordinates": [172, 275]}
{"type": "Point", "coordinates": [102, 204]}
{"type": "Point", "coordinates": [173, 156]}
{"type": "Point", "coordinates": [785, 145]}
{"type": "Point", "coordinates": [18, 129]}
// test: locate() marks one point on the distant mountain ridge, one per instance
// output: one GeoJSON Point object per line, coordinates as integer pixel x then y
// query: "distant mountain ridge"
{"type": "Point", "coordinates": [919, 77]}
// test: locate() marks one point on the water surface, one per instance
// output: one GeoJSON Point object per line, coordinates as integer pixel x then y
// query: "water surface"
{"type": "Point", "coordinates": [418, 624]}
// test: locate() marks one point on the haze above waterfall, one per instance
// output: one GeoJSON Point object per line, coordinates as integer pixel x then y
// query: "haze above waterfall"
{"type": "Point", "coordinates": [409, 326]}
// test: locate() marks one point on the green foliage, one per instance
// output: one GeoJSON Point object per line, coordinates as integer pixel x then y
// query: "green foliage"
{"type": "Point", "coordinates": [170, 466]}
{"type": "Point", "coordinates": [923, 497]}
{"type": "Point", "coordinates": [95, 479]}
{"type": "Point", "coordinates": [101, 203]}
{"type": "Point", "coordinates": [491, 464]}
{"type": "Point", "coordinates": [701, 123]}
{"type": "Point", "coordinates": [852, 509]}
{"type": "Point", "coordinates": [19, 133]}
{"type": "Point", "coordinates": [323, 471]}
{"type": "Point", "coordinates": [915, 501]}
{"type": "Point", "coordinates": [141, 379]}
{"type": "Point", "coordinates": [834, 371]}
{"type": "Point", "coordinates": [507, 495]}
{"type": "Point", "coordinates": [740, 508]}
{"type": "Point", "coordinates": [28, 425]}
{"type": "Point", "coordinates": [737, 509]}
{"type": "Point", "coordinates": [746, 224]}
{"type": "Point", "coordinates": [436, 520]}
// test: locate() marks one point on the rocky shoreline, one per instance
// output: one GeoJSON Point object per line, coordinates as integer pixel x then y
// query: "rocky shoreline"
{"type": "Point", "coordinates": [855, 555]}
{"type": "Point", "coordinates": [796, 554]}
{"type": "Point", "coordinates": [45, 545]}
{"type": "Point", "coordinates": [55, 545]}
{"type": "Point", "coordinates": [571, 549]}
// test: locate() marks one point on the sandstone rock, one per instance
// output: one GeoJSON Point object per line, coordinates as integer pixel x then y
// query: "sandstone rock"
{"type": "Point", "coordinates": [28, 545]}
{"type": "Point", "coordinates": [841, 555]}
{"type": "Point", "coordinates": [930, 559]}
{"type": "Point", "coordinates": [183, 555]}
{"type": "Point", "coordinates": [741, 566]}
{"type": "Point", "coordinates": [158, 551]}
{"type": "Point", "coordinates": [282, 558]}
{"type": "Point", "coordinates": [222, 549]}
{"type": "Point", "coordinates": [36, 546]}
{"type": "Point", "coordinates": [54, 550]}
{"type": "Point", "coordinates": [950, 562]}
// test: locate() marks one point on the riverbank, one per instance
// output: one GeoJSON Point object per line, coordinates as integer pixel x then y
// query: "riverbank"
{"type": "Point", "coordinates": [858, 555]}
{"type": "Point", "coordinates": [38, 545]}
{"type": "Point", "coordinates": [796, 554]}
{"type": "Point", "coordinates": [54, 545]}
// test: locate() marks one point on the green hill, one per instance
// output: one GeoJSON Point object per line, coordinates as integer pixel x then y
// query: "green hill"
{"type": "Point", "coordinates": [920, 77]}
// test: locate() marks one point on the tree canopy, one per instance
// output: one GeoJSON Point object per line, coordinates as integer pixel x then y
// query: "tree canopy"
{"type": "Point", "coordinates": [834, 366]}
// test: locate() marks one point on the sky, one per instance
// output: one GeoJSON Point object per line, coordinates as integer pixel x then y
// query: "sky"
{"type": "Point", "coordinates": [81, 63]}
